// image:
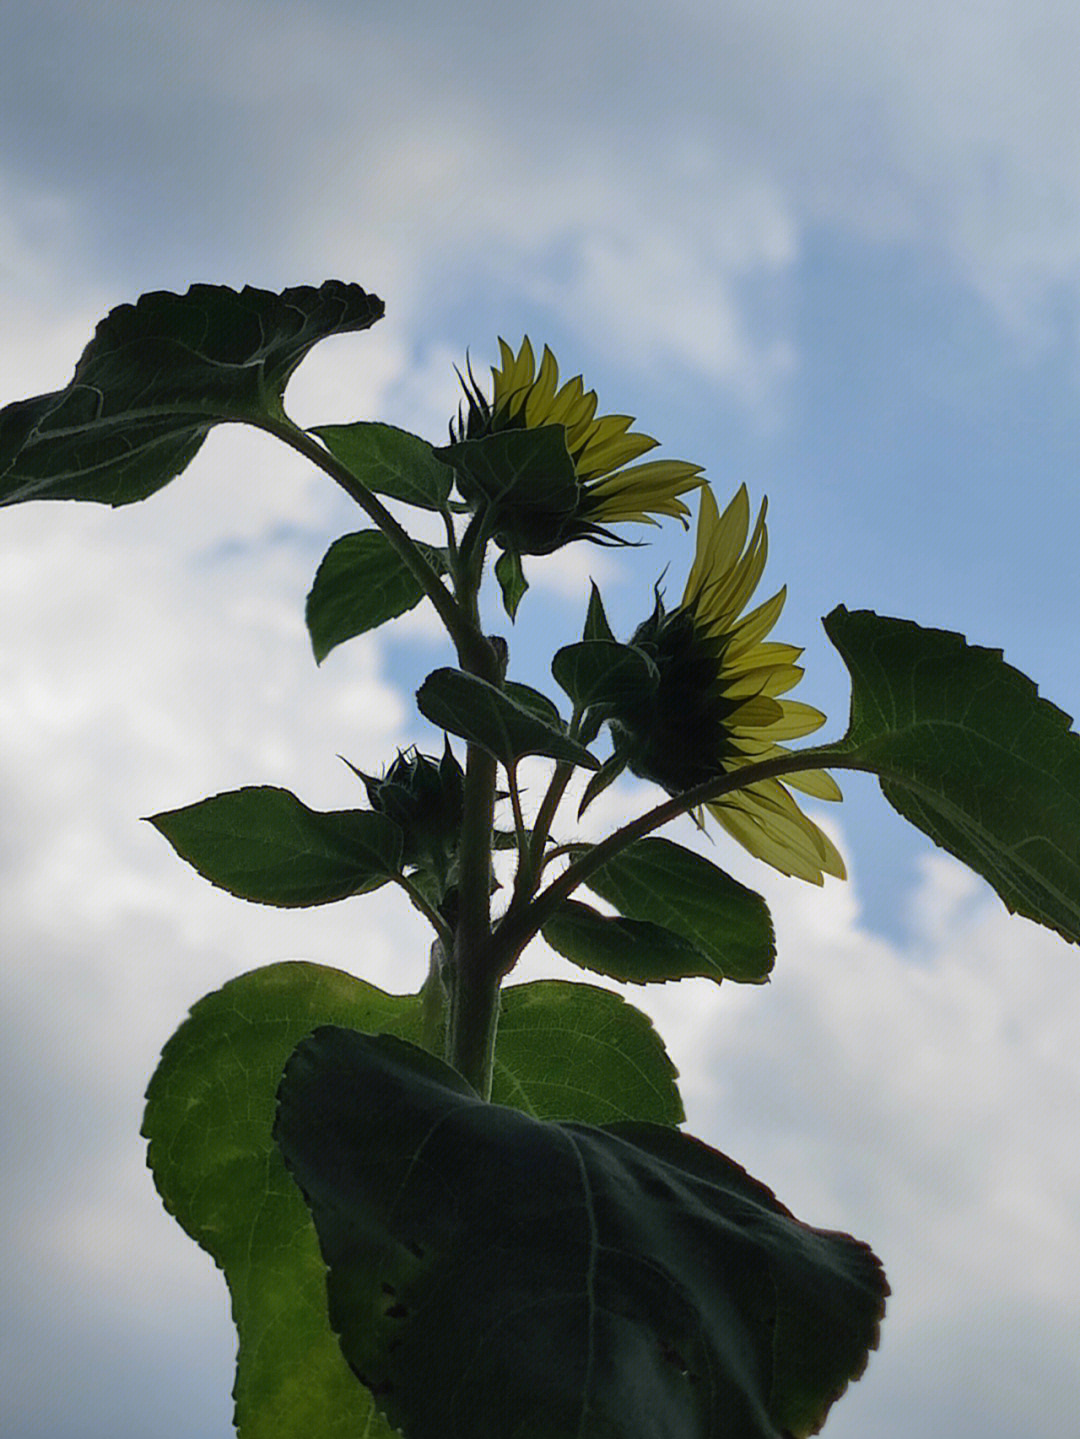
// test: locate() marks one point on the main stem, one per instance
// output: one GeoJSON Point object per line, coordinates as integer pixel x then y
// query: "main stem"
{"type": "Point", "coordinates": [474, 974]}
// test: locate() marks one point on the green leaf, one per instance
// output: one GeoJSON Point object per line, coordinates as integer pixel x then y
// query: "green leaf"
{"type": "Point", "coordinates": [573, 1051]}
{"type": "Point", "coordinates": [512, 581]}
{"type": "Point", "coordinates": [483, 715]}
{"type": "Point", "coordinates": [156, 377]}
{"type": "Point", "coordinates": [601, 675]}
{"type": "Point", "coordinates": [263, 844]}
{"type": "Point", "coordinates": [633, 950]}
{"type": "Point", "coordinates": [530, 466]}
{"type": "Point", "coordinates": [390, 462]}
{"type": "Point", "coordinates": [536, 703]}
{"type": "Point", "coordinates": [726, 923]}
{"type": "Point", "coordinates": [361, 583]}
{"type": "Point", "coordinates": [596, 620]}
{"type": "Point", "coordinates": [491, 1274]}
{"type": "Point", "coordinates": [209, 1111]}
{"type": "Point", "coordinates": [563, 1051]}
{"type": "Point", "coordinates": [966, 750]}
{"type": "Point", "coordinates": [606, 775]}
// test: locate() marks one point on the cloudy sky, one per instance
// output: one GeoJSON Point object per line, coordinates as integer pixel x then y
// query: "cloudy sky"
{"type": "Point", "coordinates": [827, 249]}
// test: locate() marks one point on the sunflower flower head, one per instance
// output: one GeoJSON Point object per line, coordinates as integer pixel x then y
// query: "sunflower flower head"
{"type": "Point", "coordinates": [608, 486]}
{"type": "Point", "coordinates": [719, 701]}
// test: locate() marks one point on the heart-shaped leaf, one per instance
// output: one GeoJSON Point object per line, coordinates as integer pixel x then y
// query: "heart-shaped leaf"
{"type": "Point", "coordinates": [264, 844]}
{"type": "Point", "coordinates": [632, 950]}
{"type": "Point", "coordinates": [494, 1275]}
{"type": "Point", "coordinates": [361, 583]}
{"type": "Point", "coordinates": [390, 462]}
{"type": "Point", "coordinates": [965, 748]}
{"type": "Point", "coordinates": [660, 882]}
{"type": "Point", "coordinates": [564, 1051]}
{"type": "Point", "coordinates": [495, 720]}
{"type": "Point", "coordinates": [156, 377]}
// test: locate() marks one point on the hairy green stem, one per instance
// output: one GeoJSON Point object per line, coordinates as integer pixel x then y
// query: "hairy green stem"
{"type": "Point", "coordinates": [467, 639]}
{"type": "Point", "coordinates": [432, 915]}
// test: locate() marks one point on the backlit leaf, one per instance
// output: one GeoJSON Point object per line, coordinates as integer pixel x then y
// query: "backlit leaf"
{"type": "Point", "coordinates": [154, 380]}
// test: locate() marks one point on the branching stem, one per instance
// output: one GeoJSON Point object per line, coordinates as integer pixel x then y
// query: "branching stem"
{"type": "Point", "coordinates": [521, 925]}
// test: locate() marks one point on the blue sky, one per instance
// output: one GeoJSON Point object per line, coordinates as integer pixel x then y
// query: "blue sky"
{"type": "Point", "coordinates": [829, 250]}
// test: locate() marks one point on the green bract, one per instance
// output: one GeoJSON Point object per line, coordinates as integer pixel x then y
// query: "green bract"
{"type": "Point", "coordinates": [469, 1212]}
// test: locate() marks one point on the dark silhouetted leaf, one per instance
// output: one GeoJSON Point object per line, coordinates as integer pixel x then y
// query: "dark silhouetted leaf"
{"type": "Point", "coordinates": [263, 844]}
{"type": "Point", "coordinates": [361, 583]}
{"type": "Point", "coordinates": [726, 923]}
{"type": "Point", "coordinates": [596, 620]}
{"type": "Point", "coordinates": [390, 462]}
{"type": "Point", "coordinates": [601, 676]}
{"type": "Point", "coordinates": [564, 1051]}
{"type": "Point", "coordinates": [494, 720]}
{"type": "Point", "coordinates": [633, 950]}
{"type": "Point", "coordinates": [492, 1275]}
{"type": "Point", "coordinates": [156, 377]}
{"type": "Point", "coordinates": [512, 581]}
{"type": "Point", "coordinates": [966, 750]}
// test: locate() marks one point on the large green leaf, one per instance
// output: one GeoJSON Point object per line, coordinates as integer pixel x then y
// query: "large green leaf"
{"type": "Point", "coordinates": [564, 1051]}
{"type": "Point", "coordinates": [209, 1111]}
{"type": "Point", "coordinates": [391, 462]}
{"type": "Point", "coordinates": [264, 844]}
{"type": "Point", "coordinates": [495, 719]}
{"type": "Point", "coordinates": [728, 925]}
{"type": "Point", "coordinates": [154, 379]}
{"type": "Point", "coordinates": [361, 583]}
{"type": "Point", "coordinates": [966, 749]}
{"type": "Point", "coordinates": [573, 1051]}
{"type": "Point", "coordinates": [493, 1275]}
{"type": "Point", "coordinates": [633, 950]}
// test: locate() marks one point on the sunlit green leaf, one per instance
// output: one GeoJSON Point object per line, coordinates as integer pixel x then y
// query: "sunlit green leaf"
{"type": "Point", "coordinates": [492, 1275]}
{"type": "Point", "coordinates": [966, 749]}
{"type": "Point", "coordinates": [361, 583]}
{"type": "Point", "coordinates": [263, 844]}
{"type": "Point", "coordinates": [156, 377]}
{"type": "Point", "coordinates": [573, 1051]}
{"type": "Point", "coordinates": [564, 1051]}
{"type": "Point", "coordinates": [491, 718]}
{"type": "Point", "coordinates": [390, 462]}
{"type": "Point", "coordinates": [658, 881]}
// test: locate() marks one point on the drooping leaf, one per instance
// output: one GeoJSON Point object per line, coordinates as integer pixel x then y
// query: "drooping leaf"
{"type": "Point", "coordinates": [491, 1274]}
{"type": "Point", "coordinates": [263, 844]}
{"type": "Point", "coordinates": [361, 583]}
{"type": "Point", "coordinates": [728, 925]}
{"type": "Point", "coordinates": [601, 676]}
{"type": "Point", "coordinates": [633, 950]}
{"type": "Point", "coordinates": [965, 749]}
{"type": "Point", "coordinates": [606, 775]}
{"type": "Point", "coordinates": [491, 718]}
{"type": "Point", "coordinates": [564, 1051]}
{"type": "Point", "coordinates": [156, 377]}
{"type": "Point", "coordinates": [390, 462]}
{"type": "Point", "coordinates": [533, 466]}
{"type": "Point", "coordinates": [512, 581]}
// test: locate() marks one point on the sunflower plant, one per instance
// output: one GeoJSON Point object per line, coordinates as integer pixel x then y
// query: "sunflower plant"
{"type": "Point", "coordinates": [470, 1212]}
